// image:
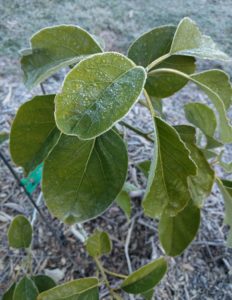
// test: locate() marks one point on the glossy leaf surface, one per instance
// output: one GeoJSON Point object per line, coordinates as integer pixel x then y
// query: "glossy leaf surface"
{"type": "Point", "coordinates": [97, 93]}
{"type": "Point", "coordinates": [82, 178]}
{"type": "Point", "coordinates": [98, 244]}
{"type": "Point", "coordinates": [25, 290]}
{"type": "Point", "coordinates": [20, 232]}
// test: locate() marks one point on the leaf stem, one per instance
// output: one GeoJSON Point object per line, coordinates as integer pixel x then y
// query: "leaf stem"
{"type": "Point", "coordinates": [149, 103]}
{"type": "Point", "coordinates": [174, 71]}
{"type": "Point", "coordinates": [139, 132]}
{"type": "Point", "coordinates": [157, 61]}
{"type": "Point", "coordinates": [115, 274]}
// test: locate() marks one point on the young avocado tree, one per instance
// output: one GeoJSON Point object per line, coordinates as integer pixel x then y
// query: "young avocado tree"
{"type": "Point", "coordinates": [76, 135]}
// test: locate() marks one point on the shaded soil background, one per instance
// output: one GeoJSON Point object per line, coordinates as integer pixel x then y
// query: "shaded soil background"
{"type": "Point", "coordinates": [204, 271]}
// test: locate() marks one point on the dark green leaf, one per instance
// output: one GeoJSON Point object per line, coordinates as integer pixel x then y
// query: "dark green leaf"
{"type": "Point", "coordinates": [97, 93]}
{"type": "Point", "coordinates": [98, 244]}
{"type": "Point", "coordinates": [170, 167]}
{"type": "Point", "coordinates": [34, 132]}
{"type": "Point", "coordinates": [148, 295]}
{"type": "Point", "coordinates": [8, 295]}
{"type": "Point", "coordinates": [53, 48]}
{"type": "Point", "coordinates": [177, 232]}
{"type": "Point", "coordinates": [25, 290]}
{"type": "Point", "coordinates": [82, 178]}
{"type": "Point", "coordinates": [80, 289]}
{"type": "Point", "coordinates": [124, 202]}
{"type": "Point", "coordinates": [144, 166]}
{"type": "Point", "coordinates": [20, 233]}
{"type": "Point", "coordinates": [145, 278]}
{"type": "Point", "coordinates": [3, 137]}
{"type": "Point", "coordinates": [43, 282]}
{"type": "Point", "coordinates": [188, 40]}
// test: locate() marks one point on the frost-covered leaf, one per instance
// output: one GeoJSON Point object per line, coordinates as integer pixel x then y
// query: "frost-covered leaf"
{"type": "Point", "coordinates": [177, 232]}
{"type": "Point", "coordinates": [188, 40]}
{"type": "Point", "coordinates": [80, 289]}
{"type": "Point", "coordinates": [34, 132]}
{"type": "Point", "coordinates": [20, 232]}
{"type": "Point", "coordinates": [43, 282]}
{"type": "Point", "coordinates": [201, 184]}
{"type": "Point", "coordinates": [152, 45]}
{"type": "Point", "coordinates": [98, 244]}
{"type": "Point", "coordinates": [25, 290]}
{"type": "Point", "coordinates": [170, 167]}
{"type": "Point", "coordinates": [8, 295]}
{"type": "Point", "coordinates": [81, 179]}
{"type": "Point", "coordinates": [145, 278]}
{"type": "Point", "coordinates": [53, 48]}
{"type": "Point", "coordinates": [97, 93]}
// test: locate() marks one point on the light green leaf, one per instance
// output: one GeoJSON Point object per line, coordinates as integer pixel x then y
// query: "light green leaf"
{"type": "Point", "coordinates": [3, 137]}
{"type": "Point", "coordinates": [53, 48]}
{"type": "Point", "coordinates": [188, 40]}
{"type": "Point", "coordinates": [43, 282]}
{"type": "Point", "coordinates": [8, 295]}
{"type": "Point", "coordinates": [97, 93]}
{"type": "Point", "coordinates": [225, 187]}
{"type": "Point", "coordinates": [98, 244]}
{"type": "Point", "coordinates": [177, 232]}
{"type": "Point", "coordinates": [80, 289]}
{"type": "Point", "coordinates": [226, 166]}
{"type": "Point", "coordinates": [170, 167]}
{"type": "Point", "coordinates": [124, 202]}
{"type": "Point", "coordinates": [81, 179]}
{"type": "Point", "coordinates": [20, 233]}
{"type": "Point", "coordinates": [153, 45]}
{"type": "Point", "coordinates": [34, 132]}
{"type": "Point", "coordinates": [145, 278]}
{"type": "Point", "coordinates": [209, 153]}
{"type": "Point", "coordinates": [201, 184]}
{"type": "Point", "coordinates": [25, 290]}
{"type": "Point", "coordinates": [206, 81]}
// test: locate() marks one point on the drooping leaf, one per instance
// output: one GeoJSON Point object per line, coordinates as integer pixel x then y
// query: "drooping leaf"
{"type": "Point", "coordinates": [177, 232]}
{"type": "Point", "coordinates": [227, 166]}
{"type": "Point", "coordinates": [97, 93]}
{"type": "Point", "coordinates": [20, 232]}
{"type": "Point", "coordinates": [225, 187]}
{"type": "Point", "coordinates": [25, 290]}
{"type": "Point", "coordinates": [34, 132]}
{"type": "Point", "coordinates": [124, 202]}
{"type": "Point", "coordinates": [53, 48]}
{"type": "Point", "coordinates": [188, 40]}
{"type": "Point", "coordinates": [43, 282]}
{"type": "Point", "coordinates": [82, 178]}
{"type": "Point", "coordinates": [145, 278]}
{"type": "Point", "coordinates": [152, 45]}
{"type": "Point", "coordinates": [3, 137]}
{"type": "Point", "coordinates": [201, 184]}
{"type": "Point", "coordinates": [8, 295]}
{"type": "Point", "coordinates": [170, 167]}
{"type": "Point", "coordinates": [98, 244]}
{"type": "Point", "coordinates": [80, 289]}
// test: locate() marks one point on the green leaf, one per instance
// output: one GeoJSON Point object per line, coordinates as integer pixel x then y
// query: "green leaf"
{"type": "Point", "coordinates": [225, 187]}
{"type": "Point", "coordinates": [145, 278]}
{"type": "Point", "coordinates": [97, 93]}
{"type": "Point", "coordinates": [20, 233]}
{"type": "Point", "coordinates": [25, 290]}
{"type": "Point", "coordinates": [34, 132]}
{"type": "Point", "coordinates": [124, 202]}
{"type": "Point", "coordinates": [82, 178]}
{"type": "Point", "coordinates": [3, 137]}
{"type": "Point", "coordinates": [188, 40]}
{"type": "Point", "coordinates": [201, 184]}
{"type": "Point", "coordinates": [206, 81]}
{"type": "Point", "coordinates": [53, 48]}
{"type": "Point", "coordinates": [148, 295]}
{"type": "Point", "coordinates": [177, 232]}
{"type": "Point", "coordinates": [43, 282]}
{"type": "Point", "coordinates": [226, 166]}
{"type": "Point", "coordinates": [144, 166]}
{"type": "Point", "coordinates": [98, 244]}
{"type": "Point", "coordinates": [8, 295]}
{"type": "Point", "coordinates": [80, 289]}
{"type": "Point", "coordinates": [170, 167]}
{"type": "Point", "coordinates": [152, 45]}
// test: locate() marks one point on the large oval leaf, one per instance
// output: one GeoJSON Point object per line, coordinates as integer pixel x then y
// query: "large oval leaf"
{"type": "Point", "coordinates": [97, 93]}
{"type": "Point", "coordinates": [80, 289]}
{"type": "Point", "coordinates": [34, 132]}
{"type": "Point", "coordinates": [82, 178]}
{"type": "Point", "coordinates": [170, 167]}
{"type": "Point", "coordinates": [20, 232]}
{"type": "Point", "coordinates": [145, 278]}
{"type": "Point", "coordinates": [152, 45]}
{"type": "Point", "coordinates": [53, 48]}
{"type": "Point", "coordinates": [177, 232]}
{"type": "Point", "coordinates": [25, 290]}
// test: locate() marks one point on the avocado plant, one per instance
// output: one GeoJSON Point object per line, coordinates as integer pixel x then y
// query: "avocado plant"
{"type": "Point", "coordinates": [77, 135]}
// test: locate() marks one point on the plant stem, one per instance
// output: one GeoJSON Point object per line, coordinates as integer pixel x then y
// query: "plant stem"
{"type": "Point", "coordinates": [139, 132]}
{"type": "Point", "coordinates": [157, 61]}
{"type": "Point", "coordinates": [115, 274]}
{"type": "Point", "coordinates": [167, 70]}
{"type": "Point", "coordinates": [149, 103]}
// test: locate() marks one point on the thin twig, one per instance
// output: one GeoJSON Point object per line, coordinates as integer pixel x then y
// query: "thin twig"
{"type": "Point", "coordinates": [139, 132]}
{"type": "Point", "coordinates": [127, 243]}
